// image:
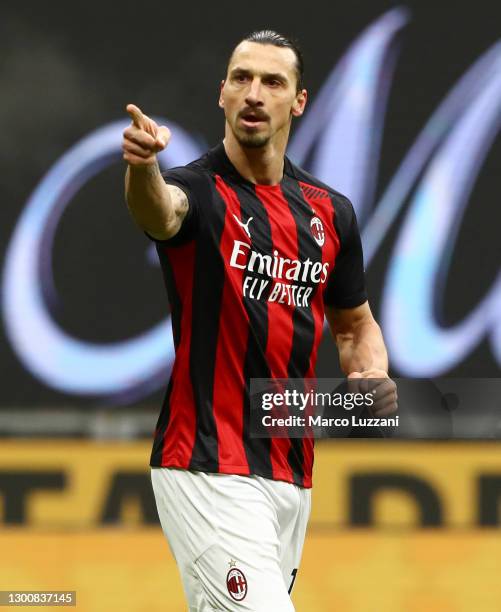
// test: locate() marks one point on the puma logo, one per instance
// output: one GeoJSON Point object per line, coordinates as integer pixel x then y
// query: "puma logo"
{"type": "Point", "coordinates": [244, 225]}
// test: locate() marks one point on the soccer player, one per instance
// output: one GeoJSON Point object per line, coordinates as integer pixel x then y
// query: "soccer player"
{"type": "Point", "coordinates": [254, 252]}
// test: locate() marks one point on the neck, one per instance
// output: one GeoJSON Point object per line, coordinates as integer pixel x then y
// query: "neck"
{"type": "Point", "coordinates": [262, 165]}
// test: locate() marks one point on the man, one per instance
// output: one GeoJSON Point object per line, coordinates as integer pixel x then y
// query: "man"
{"type": "Point", "coordinates": [254, 252]}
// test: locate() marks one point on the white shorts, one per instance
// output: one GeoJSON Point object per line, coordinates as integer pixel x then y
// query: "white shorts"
{"type": "Point", "coordinates": [237, 540]}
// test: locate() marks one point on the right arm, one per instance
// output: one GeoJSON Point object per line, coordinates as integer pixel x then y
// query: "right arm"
{"type": "Point", "coordinates": [156, 207]}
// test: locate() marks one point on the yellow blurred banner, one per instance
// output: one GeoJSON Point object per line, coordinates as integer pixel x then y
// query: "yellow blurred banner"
{"type": "Point", "coordinates": [77, 484]}
{"type": "Point", "coordinates": [394, 527]}
{"type": "Point", "coordinates": [362, 571]}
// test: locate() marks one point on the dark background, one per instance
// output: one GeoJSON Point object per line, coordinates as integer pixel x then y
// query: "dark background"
{"type": "Point", "coordinates": [66, 69]}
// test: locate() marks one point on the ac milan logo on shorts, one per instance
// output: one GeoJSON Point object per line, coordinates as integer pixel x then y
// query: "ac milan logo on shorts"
{"type": "Point", "coordinates": [236, 584]}
{"type": "Point", "coordinates": [317, 231]}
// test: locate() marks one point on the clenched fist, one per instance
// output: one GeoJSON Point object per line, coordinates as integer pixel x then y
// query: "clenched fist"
{"type": "Point", "coordinates": [383, 388]}
{"type": "Point", "coordinates": [143, 139]}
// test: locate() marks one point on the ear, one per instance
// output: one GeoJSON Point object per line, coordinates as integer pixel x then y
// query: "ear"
{"type": "Point", "coordinates": [221, 100]}
{"type": "Point", "coordinates": [299, 103]}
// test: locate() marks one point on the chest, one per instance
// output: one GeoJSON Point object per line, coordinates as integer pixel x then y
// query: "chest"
{"type": "Point", "coordinates": [278, 221]}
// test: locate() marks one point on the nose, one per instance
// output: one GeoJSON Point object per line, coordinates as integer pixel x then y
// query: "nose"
{"type": "Point", "coordinates": [254, 95]}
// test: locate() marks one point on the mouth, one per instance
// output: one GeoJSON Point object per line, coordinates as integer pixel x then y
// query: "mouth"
{"type": "Point", "coordinates": [252, 120]}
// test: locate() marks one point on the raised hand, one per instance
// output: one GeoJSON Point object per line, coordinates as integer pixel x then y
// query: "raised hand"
{"type": "Point", "coordinates": [143, 139]}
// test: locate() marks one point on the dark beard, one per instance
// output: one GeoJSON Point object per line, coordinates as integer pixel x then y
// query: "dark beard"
{"type": "Point", "coordinates": [251, 141]}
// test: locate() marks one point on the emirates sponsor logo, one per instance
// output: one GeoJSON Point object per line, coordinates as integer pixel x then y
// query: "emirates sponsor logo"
{"type": "Point", "coordinates": [283, 274]}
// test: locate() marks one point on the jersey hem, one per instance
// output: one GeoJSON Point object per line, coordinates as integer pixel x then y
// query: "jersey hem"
{"type": "Point", "coordinates": [238, 470]}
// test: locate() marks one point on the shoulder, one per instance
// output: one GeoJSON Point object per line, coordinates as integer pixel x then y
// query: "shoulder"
{"type": "Point", "coordinates": [193, 178]}
{"type": "Point", "coordinates": [194, 170]}
{"type": "Point", "coordinates": [315, 188]}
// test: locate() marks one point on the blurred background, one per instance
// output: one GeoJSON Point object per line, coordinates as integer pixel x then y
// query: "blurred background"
{"type": "Point", "coordinates": [403, 117]}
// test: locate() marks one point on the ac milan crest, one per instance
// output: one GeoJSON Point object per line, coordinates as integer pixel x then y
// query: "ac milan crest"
{"type": "Point", "coordinates": [236, 584]}
{"type": "Point", "coordinates": [317, 231]}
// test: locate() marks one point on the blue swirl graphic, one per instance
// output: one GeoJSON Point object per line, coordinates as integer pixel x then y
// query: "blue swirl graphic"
{"type": "Point", "coordinates": [60, 360]}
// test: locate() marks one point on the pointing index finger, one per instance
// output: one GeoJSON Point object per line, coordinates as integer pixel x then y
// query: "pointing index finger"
{"type": "Point", "coordinates": [136, 115]}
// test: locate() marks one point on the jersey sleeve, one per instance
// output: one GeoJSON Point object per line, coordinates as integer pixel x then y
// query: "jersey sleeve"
{"type": "Point", "coordinates": [188, 180]}
{"type": "Point", "coordinates": [346, 284]}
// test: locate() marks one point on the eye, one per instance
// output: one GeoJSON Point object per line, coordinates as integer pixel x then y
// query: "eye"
{"type": "Point", "coordinates": [240, 78]}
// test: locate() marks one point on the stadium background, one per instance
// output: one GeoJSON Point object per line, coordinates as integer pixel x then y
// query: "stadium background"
{"type": "Point", "coordinates": [76, 507]}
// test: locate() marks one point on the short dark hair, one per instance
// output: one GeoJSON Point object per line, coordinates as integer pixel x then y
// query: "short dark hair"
{"type": "Point", "coordinates": [270, 37]}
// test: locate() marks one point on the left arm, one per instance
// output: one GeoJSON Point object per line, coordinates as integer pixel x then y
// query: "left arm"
{"type": "Point", "coordinates": [362, 353]}
{"type": "Point", "coordinates": [358, 338]}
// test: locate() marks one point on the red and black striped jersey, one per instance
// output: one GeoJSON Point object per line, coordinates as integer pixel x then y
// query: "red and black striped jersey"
{"type": "Point", "coordinates": [247, 277]}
